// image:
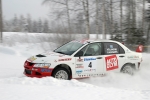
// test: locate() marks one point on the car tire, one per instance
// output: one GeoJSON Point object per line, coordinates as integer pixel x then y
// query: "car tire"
{"type": "Point", "coordinates": [128, 68]}
{"type": "Point", "coordinates": [61, 74]}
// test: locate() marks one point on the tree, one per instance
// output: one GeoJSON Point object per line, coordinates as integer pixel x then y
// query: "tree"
{"type": "Point", "coordinates": [1, 23]}
{"type": "Point", "coordinates": [46, 26]}
{"type": "Point", "coordinates": [35, 27]}
{"type": "Point", "coordinates": [40, 26]}
{"type": "Point", "coordinates": [15, 24]}
{"type": "Point", "coordinates": [143, 15]}
{"type": "Point", "coordinates": [62, 3]}
{"type": "Point", "coordinates": [87, 19]}
{"type": "Point", "coordinates": [29, 23]}
{"type": "Point", "coordinates": [104, 20]}
{"type": "Point", "coordinates": [97, 18]}
{"type": "Point", "coordinates": [22, 24]}
{"type": "Point", "coordinates": [111, 18]}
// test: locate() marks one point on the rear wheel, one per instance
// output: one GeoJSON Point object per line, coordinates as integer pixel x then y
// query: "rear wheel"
{"type": "Point", "coordinates": [128, 69]}
{"type": "Point", "coordinates": [61, 74]}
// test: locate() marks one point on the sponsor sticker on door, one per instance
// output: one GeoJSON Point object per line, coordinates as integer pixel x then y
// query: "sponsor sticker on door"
{"type": "Point", "coordinates": [111, 62]}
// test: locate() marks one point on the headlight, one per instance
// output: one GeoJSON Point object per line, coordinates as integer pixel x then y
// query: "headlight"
{"type": "Point", "coordinates": [42, 65]}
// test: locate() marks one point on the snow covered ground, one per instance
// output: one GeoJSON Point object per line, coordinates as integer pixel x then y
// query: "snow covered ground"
{"type": "Point", "coordinates": [15, 86]}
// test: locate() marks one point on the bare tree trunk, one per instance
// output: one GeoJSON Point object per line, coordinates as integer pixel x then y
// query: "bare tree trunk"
{"type": "Point", "coordinates": [1, 23]}
{"type": "Point", "coordinates": [129, 17]}
{"type": "Point", "coordinates": [97, 20]}
{"type": "Point", "coordinates": [86, 12]}
{"type": "Point", "coordinates": [121, 17]}
{"type": "Point", "coordinates": [104, 19]}
{"type": "Point", "coordinates": [111, 17]}
{"type": "Point", "coordinates": [68, 15]}
{"type": "Point", "coordinates": [133, 3]}
{"type": "Point", "coordinates": [143, 15]}
{"type": "Point", "coordinates": [148, 32]}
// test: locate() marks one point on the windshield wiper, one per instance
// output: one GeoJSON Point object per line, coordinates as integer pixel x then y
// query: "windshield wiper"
{"type": "Point", "coordinates": [60, 52]}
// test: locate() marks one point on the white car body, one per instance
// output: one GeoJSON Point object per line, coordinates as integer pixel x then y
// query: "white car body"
{"type": "Point", "coordinates": [86, 66]}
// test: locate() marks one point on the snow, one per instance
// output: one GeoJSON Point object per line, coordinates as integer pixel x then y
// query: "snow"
{"type": "Point", "coordinates": [16, 86]}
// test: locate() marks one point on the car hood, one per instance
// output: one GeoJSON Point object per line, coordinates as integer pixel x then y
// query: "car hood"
{"type": "Point", "coordinates": [47, 57]}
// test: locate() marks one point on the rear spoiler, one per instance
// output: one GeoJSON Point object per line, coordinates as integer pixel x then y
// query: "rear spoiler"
{"type": "Point", "coordinates": [139, 48]}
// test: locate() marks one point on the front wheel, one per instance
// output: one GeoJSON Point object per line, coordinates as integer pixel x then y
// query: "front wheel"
{"type": "Point", "coordinates": [61, 74]}
{"type": "Point", "coordinates": [128, 69]}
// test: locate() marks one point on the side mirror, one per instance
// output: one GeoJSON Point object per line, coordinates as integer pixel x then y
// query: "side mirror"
{"type": "Point", "coordinates": [79, 54]}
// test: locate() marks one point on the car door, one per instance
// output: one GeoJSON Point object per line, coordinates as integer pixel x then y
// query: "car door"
{"type": "Point", "coordinates": [89, 60]}
{"type": "Point", "coordinates": [114, 56]}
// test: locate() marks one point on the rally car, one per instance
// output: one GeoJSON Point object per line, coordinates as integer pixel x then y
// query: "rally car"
{"type": "Point", "coordinates": [84, 58]}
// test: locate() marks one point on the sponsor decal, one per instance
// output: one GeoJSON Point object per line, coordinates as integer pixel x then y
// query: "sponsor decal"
{"type": "Point", "coordinates": [133, 57]}
{"type": "Point", "coordinates": [89, 59]}
{"type": "Point", "coordinates": [79, 71]}
{"type": "Point", "coordinates": [79, 66]}
{"type": "Point", "coordinates": [90, 63]}
{"type": "Point", "coordinates": [66, 59]}
{"type": "Point", "coordinates": [111, 62]}
{"type": "Point", "coordinates": [32, 58]}
{"type": "Point", "coordinates": [111, 49]}
{"type": "Point", "coordinates": [80, 60]}
{"type": "Point", "coordinates": [90, 70]}
{"type": "Point", "coordinates": [45, 70]}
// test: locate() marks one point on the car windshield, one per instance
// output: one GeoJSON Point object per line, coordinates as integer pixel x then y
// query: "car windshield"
{"type": "Point", "coordinates": [69, 48]}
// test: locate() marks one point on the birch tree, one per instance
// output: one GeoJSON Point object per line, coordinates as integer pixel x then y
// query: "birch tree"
{"type": "Point", "coordinates": [104, 19]}
{"type": "Point", "coordinates": [85, 4]}
{"type": "Point", "coordinates": [111, 18]}
{"type": "Point", "coordinates": [64, 3]}
{"type": "Point", "coordinates": [121, 16]}
{"type": "Point", "coordinates": [97, 18]}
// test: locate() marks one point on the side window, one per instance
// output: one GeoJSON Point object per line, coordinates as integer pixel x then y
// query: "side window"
{"type": "Point", "coordinates": [93, 49]}
{"type": "Point", "coordinates": [111, 48]}
{"type": "Point", "coordinates": [82, 51]}
{"type": "Point", "coordinates": [121, 50]}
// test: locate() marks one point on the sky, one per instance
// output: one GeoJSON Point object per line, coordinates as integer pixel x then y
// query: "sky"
{"type": "Point", "coordinates": [24, 7]}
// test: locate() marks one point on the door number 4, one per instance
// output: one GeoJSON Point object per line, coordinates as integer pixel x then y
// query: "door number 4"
{"type": "Point", "coordinates": [90, 65]}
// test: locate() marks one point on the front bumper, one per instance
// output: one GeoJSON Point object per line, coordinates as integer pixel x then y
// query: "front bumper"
{"type": "Point", "coordinates": [31, 71]}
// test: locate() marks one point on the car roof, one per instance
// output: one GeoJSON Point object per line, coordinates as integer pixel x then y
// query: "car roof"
{"type": "Point", "coordinates": [84, 41]}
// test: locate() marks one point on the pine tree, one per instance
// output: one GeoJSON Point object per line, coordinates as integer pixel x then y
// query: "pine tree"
{"type": "Point", "coordinates": [34, 28]}
{"type": "Point", "coordinates": [46, 26]}
{"type": "Point", "coordinates": [40, 26]}
{"type": "Point", "coordinates": [29, 23]}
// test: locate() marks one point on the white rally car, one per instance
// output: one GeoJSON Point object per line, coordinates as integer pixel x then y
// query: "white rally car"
{"type": "Point", "coordinates": [85, 58]}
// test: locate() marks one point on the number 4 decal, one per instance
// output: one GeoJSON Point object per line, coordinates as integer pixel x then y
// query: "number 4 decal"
{"type": "Point", "coordinates": [90, 65]}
